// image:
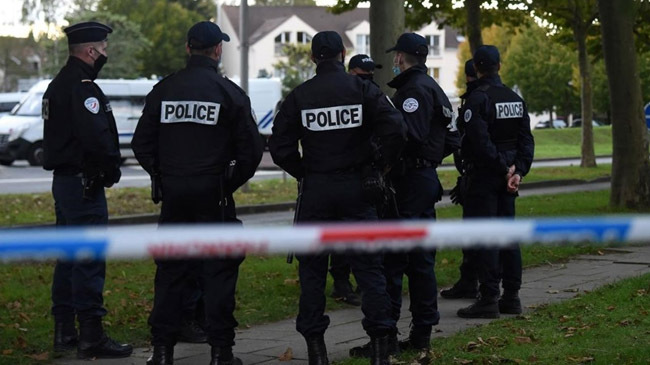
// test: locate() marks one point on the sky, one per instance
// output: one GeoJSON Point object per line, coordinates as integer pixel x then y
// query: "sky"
{"type": "Point", "coordinates": [12, 12]}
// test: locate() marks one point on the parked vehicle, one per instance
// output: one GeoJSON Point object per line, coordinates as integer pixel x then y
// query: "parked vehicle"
{"type": "Point", "coordinates": [8, 101]}
{"type": "Point", "coordinates": [557, 124]}
{"type": "Point", "coordinates": [21, 132]}
{"type": "Point", "coordinates": [264, 95]}
{"type": "Point", "coordinates": [578, 123]}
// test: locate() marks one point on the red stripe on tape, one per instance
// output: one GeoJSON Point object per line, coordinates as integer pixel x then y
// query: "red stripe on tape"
{"type": "Point", "coordinates": [331, 235]}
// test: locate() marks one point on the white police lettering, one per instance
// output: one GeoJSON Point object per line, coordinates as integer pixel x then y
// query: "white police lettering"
{"type": "Point", "coordinates": [468, 115]}
{"type": "Point", "coordinates": [336, 117]}
{"type": "Point", "coordinates": [92, 104]}
{"type": "Point", "coordinates": [510, 110]}
{"type": "Point", "coordinates": [201, 112]}
{"type": "Point", "coordinates": [410, 105]}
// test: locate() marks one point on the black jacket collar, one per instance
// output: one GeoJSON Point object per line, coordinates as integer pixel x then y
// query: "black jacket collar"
{"type": "Point", "coordinates": [329, 66]}
{"type": "Point", "coordinates": [86, 71]}
{"type": "Point", "coordinates": [202, 61]}
{"type": "Point", "coordinates": [408, 74]}
{"type": "Point", "coordinates": [492, 80]}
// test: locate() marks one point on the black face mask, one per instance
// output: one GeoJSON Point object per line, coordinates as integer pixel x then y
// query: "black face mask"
{"type": "Point", "coordinates": [366, 76]}
{"type": "Point", "coordinates": [99, 62]}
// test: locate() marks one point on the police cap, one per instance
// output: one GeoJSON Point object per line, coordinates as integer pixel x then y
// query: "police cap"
{"type": "Point", "coordinates": [363, 62]}
{"type": "Point", "coordinates": [205, 34]}
{"type": "Point", "coordinates": [486, 56]}
{"type": "Point", "coordinates": [469, 68]}
{"type": "Point", "coordinates": [87, 32]}
{"type": "Point", "coordinates": [326, 44]}
{"type": "Point", "coordinates": [411, 43]}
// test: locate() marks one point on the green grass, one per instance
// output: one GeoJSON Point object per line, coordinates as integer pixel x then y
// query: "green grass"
{"type": "Point", "coordinates": [267, 290]}
{"type": "Point", "coordinates": [610, 325]}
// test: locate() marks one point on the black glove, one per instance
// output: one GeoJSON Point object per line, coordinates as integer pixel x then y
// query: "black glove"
{"type": "Point", "coordinates": [112, 176]}
{"type": "Point", "coordinates": [456, 193]}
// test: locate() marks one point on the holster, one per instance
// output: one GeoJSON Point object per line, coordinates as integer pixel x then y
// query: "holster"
{"type": "Point", "coordinates": [91, 184]}
{"type": "Point", "coordinates": [373, 185]}
{"type": "Point", "coordinates": [156, 188]}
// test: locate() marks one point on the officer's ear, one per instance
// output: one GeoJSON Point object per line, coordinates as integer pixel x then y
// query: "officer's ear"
{"type": "Point", "coordinates": [187, 49]}
{"type": "Point", "coordinates": [343, 56]}
{"type": "Point", "coordinates": [313, 59]}
{"type": "Point", "coordinates": [218, 50]}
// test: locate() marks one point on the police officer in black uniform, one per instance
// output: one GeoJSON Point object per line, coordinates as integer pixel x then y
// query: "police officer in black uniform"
{"type": "Point", "coordinates": [195, 122]}
{"type": "Point", "coordinates": [467, 285]}
{"type": "Point", "coordinates": [81, 146]}
{"type": "Point", "coordinates": [363, 66]}
{"type": "Point", "coordinates": [334, 116]}
{"type": "Point", "coordinates": [497, 151]}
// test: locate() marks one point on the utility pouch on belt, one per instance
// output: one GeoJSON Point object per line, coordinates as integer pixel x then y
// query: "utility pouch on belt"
{"type": "Point", "coordinates": [373, 185]}
{"type": "Point", "coordinates": [91, 184]}
{"type": "Point", "coordinates": [156, 188]}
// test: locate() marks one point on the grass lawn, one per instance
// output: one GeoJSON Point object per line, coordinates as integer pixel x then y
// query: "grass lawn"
{"type": "Point", "coordinates": [555, 143]}
{"type": "Point", "coordinates": [268, 287]}
{"type": "Point", "coordinates": [608, 326]}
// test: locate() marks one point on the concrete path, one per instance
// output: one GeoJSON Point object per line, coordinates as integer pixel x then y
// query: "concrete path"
{"type": "Point", "coordinates": [544, 284]}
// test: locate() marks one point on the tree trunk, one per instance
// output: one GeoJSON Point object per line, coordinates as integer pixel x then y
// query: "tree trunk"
{"type": "Point", "coordinates": [588, 158]}
{"type": "Point", "coordinates": [473, 28]}
{"type": "Point", "coordinates": [386, 25]}
{"type": "Point", "coordinates": [630, 170]}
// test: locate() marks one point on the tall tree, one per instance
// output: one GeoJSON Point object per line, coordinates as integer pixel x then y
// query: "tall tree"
{"type": "Point", "coordinates": [285, 2]}
{"type": "Point", "coordinates": [577, 16]}
{"type": "Point", "coordinates": [630, 166]}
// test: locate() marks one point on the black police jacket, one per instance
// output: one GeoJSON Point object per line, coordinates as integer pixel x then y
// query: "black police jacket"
{"type": "Point", "coordinates": [79, 132]}
{"type": "Point", "coordinates": [496, 129]}
{"type": "Point", "coordinates": [428, 114]}
{"type": "Point", "coordinates": [335, 117]}
{"type": "Point", "coordinates": [195, 122]}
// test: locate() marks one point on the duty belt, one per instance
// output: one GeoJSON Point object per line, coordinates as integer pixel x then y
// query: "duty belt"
{"type": "Point", "coordinates": [419, 163]}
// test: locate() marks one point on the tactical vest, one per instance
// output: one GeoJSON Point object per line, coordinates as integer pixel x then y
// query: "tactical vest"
{"type": "Point", "coordinates": [506, 115]}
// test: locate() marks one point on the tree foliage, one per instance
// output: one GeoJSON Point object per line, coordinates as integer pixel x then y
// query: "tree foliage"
{"type": "Point", "coordinates": [296, 68]}
{"type": "Point", "coordinates": [285, 2]}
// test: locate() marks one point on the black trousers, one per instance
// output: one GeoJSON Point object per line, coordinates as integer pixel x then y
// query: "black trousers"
{"type": "Point", "coordinates": [417, 193]}
{"type": "Point", "coordinates": [487, 197]}
{"type": "Point", "coordinates": [339, 267]}
{"type": "Point", "coordinates": [194, 200]}
{"type": "Point", "coordinates": [77, 286]}
{"type": "Point", "coordinates": [329, 198]}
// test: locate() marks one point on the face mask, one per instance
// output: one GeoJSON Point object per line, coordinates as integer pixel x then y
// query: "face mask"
{"type": "Point", "coordinates": [396, 70]}
{"type": "Point", "coordinates": [366, 76]}
{"type": "Point", "coordinates": [99, 62]}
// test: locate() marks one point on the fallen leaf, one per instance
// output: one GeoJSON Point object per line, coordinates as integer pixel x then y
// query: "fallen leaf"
{"type": "Point", "coordinates": [520, 339]}
{"type": "Point", "coordinates": [611, 308]}
{"type": "Point", "coordinates": [24, 316]}
{"type": "Point", "coordinates": [471, 346]}
{"type": "Point", "coordinates": [444, 261]}
{"type": "Point", "coordinates": [7, 352]}
{"type": "Point", "coordinates": [552, 291]}
{"type": "Point", "coordinates": [291, 281]}
{"type": "Point", "coordinates": [600, 253]}
{"type": "Point", "coordinates": [571, 290]}
{"type": "Point", "coordinates": [40, 357]}
{"type": "Point", "coordinates": [287, 355]}
{"type": "Point", "coordinates": [463, 361]}
{"type": "Point", "coordinates": [624, 323]}
{"type": "Point", "coordinates": [20, 342]}
{"type": "Point", "coordinates": [564, 319]}
{"type": "Point", "coordinates": [581, 359]}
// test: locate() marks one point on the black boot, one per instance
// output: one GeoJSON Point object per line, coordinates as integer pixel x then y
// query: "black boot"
{"type": "Point", "coordinates": [316, 350]}
{"type": "Point", "coordinates": [419, 339]}
{"type": "Point", "coordinates": [379, 355]}
{"type": "Point", "coordinates": [509, 303]}
{"type": "Point", "coordinates": [94, 342]}
{"type": "Point", "coordinates": [365, 351]}
{"type": "Point", "coordinates": [65, 336]}
{"type": "Point", "coordinates": [343, 291]}
{"type": "Point", "coordinates": [483, 308]}
{"type": "Point", "coordinates": [191, 332]}
{"type": "Point", "coordinates": [223, 356]}
{"type": "Point", "coordinates": [162, 355]}
{"type": "Point", "coordinates": [462, 289]}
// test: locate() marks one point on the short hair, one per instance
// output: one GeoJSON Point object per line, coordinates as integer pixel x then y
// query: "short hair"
{"type": "Point", "coordinates": [205, 51]}
{"type": "Point", "coordinates": [77, 47]}
{"type": "Point", "coordinates": [487, 69]}
{"type": "Point", "coordinates": [412, 59]}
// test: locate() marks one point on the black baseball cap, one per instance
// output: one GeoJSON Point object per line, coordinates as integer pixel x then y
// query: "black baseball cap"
{"type": "Point", "coordinates": [411, 43]}
{"type": "Point", "coordinates": [205, 34]}
{"type": "Point", "coordinates": [87, 32]}
{"type": "Point", "coordinates": [326, 44]}
{"type": "Point", "coordinates": [469, 68]}
{"type": "Point", "coordinates": [364, 62]}
{"type": "Point", "coordinates": [486, 55]}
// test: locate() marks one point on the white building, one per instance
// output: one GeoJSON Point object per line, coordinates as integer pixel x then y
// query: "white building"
{"type": "Point", "coordinates": [270, 27]}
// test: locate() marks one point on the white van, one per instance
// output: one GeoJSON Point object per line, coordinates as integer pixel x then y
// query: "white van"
{"type": "Point", "coordinates": [9, 100]}
{"type": "Point", "coordinates": [264, 95]}
{"type": "Point", "coordinates": [21, 132]}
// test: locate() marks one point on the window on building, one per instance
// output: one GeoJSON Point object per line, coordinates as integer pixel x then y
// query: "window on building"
{"type": "Point", "coordinates": [434, 44]}
{"type": "Point", "coordinates": [363, 44]}
{"type": "Point", "coordinates": [282, 39]}
{"type": "Point", "coordinates": [303, 38]}
{"type": "Point", "coordinates": [434, 72]}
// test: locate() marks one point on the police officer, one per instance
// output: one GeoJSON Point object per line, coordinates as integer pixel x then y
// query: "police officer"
{"type": "Point", "coordinates": [334, 116]}
{"type": "Point", "coordinates": [363, 66]}
{"type": "Point", "coordinates": [467, 285]}
{"type": "Point", "coordinates": [195, 122]}
{"type": "Point", "coordinates": [81, 147]}
{"type": "Point", "coordinates": [497, 151]}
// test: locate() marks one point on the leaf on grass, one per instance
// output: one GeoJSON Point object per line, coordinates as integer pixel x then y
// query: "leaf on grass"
{"type": "Point", "coordinates": [532, 358]}
{"type": "Point", "coordinates": [522, 339]}
{"type": "Point", "coordinates": [444, 261]}
{"type": "Point", "coordinates": [462, 361]}
{"type": "Point", "coordinates": [571, 290]}
{"type": "Point", "coordinates": [7, 352]}
{"type": "Point", "coordinates": [21, 343]}
{"type": "Point", "coordinates": [641, 292]}
{"type": "Point", "coordinates": [287, 355]}
{"type": "Point", "coordinates": [552, 291]}
{"type": "Point", "coordinates": [40, 357]}
{"type": "Point", "coordinates": [600, 253]}
{"type": "Point", "coordinates": [624, 323]}
{"type": "Point", "coordinates": [564, 319]}
{"type": "Point", "coordinates": [24, 317]}
{"type": "Point", "coordinates": [581, 360]}
{"type": "Point", "coordinates": [611, 308]}
{"type": "Point", "coordinates": [291, 281]}
{"type": "Point", "coordinates": [471, 346]}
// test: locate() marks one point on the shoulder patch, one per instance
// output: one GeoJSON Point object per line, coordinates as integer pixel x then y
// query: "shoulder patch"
{"type": "Point", "coordinates": [92, 104]}
{"type": "Point", "coordinates": [468, 115]}
{"type": "Point", "coordinates": [410, 105]}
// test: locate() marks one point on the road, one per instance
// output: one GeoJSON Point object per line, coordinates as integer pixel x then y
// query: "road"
{"type": "Point", "coordinates": [22, 178]}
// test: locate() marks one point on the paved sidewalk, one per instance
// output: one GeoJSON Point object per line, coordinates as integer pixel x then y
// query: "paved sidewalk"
{"type": "Point", "coordinates": [544, 284]}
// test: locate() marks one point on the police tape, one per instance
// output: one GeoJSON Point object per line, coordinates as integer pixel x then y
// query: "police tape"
{"type": "Point", "coordinates": [230, 240]}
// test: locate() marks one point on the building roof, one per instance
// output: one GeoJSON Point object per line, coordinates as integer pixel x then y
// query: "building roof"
{"type": "Point", "coordinates": [263, 19]}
